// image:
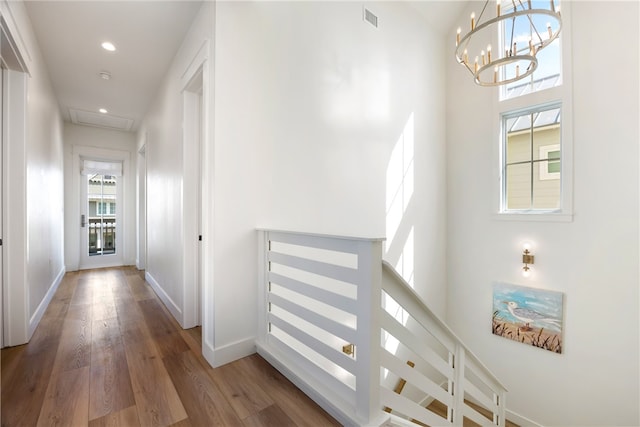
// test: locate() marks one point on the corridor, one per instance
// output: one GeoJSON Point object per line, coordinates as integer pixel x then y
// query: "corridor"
{"type": "Point", "coordinates": [107, 352]}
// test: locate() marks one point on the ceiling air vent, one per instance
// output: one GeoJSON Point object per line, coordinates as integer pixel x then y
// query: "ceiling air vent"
{"type": "Point", "coordinates": [90, 118]}
{"type": "Point", "coordinates": [370, 17]}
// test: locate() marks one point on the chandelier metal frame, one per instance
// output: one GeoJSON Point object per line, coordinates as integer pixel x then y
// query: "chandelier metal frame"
{"type": "Point", "coordinates": [488, 72]}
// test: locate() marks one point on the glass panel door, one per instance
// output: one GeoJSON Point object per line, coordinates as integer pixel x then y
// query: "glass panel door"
{"type": "Point", "coordinates": [101, 214]}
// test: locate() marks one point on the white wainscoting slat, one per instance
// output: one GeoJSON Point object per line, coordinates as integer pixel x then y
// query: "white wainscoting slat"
{"type": "Point", "coordinates": [338, 329]}
{"type": "Point", "coordinates": [331, 298]}
{"type": "Point", "coordinates": [337, 272]}
{"type": "Point", "coordinates": [332, 354]}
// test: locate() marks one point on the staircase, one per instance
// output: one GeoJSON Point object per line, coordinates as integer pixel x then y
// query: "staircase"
{"type": "Point", "coordinates": [342, 325]}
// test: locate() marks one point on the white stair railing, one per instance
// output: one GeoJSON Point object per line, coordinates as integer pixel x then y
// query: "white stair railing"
{"type": "Point", "coordinates": [342, 327]}
{"type": "Point", "coordinates": [444, 369]}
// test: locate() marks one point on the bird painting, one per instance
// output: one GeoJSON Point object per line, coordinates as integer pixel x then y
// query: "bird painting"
{"type": "Point", "coordinates": [528, 315]}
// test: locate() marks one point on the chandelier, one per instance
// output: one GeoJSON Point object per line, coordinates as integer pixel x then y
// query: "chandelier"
{"type": "Point", "coordinates": [520, 26]}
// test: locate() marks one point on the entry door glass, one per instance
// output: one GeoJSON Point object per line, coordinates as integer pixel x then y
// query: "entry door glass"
{"type": "Point", "coordinates": [101, 199]}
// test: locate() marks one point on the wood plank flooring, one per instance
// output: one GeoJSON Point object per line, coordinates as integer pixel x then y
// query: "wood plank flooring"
{"type": "Point", "coordinates": [108, 353]}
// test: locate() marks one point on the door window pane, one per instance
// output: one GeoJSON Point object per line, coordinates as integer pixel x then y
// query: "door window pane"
{"type": "Point", "coordinates": [101, 201]}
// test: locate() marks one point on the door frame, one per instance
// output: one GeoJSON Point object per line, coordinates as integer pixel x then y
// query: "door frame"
{"type": "Point", "coordinates": [141, 200]}
{"type": "Point", "coordinates": [17, 322]}
{"type": "Point", "coordinates": [192, 200]}
{"type": "Point", "coordinates": [197, 274]}
{"type": "Point", "coordinates": [83, 152]}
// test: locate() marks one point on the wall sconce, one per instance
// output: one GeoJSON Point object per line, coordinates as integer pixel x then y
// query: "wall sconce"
{"type": "Point", "coordinates": [527, 259]}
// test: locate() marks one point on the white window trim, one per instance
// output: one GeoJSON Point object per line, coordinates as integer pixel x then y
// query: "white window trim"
{"type": "Point", "coordinates": [562, 94]}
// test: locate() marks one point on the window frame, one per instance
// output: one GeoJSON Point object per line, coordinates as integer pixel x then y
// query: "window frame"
{"type": "Point", "coordinates": [532, 160]}
{"type": "Point", "coordinates": [561, 95]}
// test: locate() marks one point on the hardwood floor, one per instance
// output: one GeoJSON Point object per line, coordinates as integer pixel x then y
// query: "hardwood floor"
{"type": "Point", "coordinates": [108, 353]}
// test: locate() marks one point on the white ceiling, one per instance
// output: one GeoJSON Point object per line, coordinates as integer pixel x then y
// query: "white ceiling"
{"type": "Point", "coordinates": [440, 14]}
{"type": "Point", "coordinates": [147, 35]}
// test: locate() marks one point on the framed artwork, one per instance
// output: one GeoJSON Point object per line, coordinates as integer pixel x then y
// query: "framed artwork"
{"type": "Point", "coordinates": [528, 315]}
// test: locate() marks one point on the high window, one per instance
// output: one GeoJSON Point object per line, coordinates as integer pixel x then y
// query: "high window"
{"type": "Point", "coordinates": [535, 148]}
{"type": "Point", "coordinates": [520, 37]}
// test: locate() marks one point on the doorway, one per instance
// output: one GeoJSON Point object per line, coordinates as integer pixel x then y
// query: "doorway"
{"type": "Point", "coordinates": [16, 321]}
{"type": "Point", "coordinates": [193, 137]}
{"type": "Point", "coordinates": [101, 242]}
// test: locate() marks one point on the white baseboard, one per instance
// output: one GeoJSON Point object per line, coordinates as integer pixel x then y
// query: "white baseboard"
{"type": "Point", "coordinates": [42, 307]}
{"type": "Point", "coordinates": [230, 352]}
{"type": "Point", "coordinates": [165, 298]}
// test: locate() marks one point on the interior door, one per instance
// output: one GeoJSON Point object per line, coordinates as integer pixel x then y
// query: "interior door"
{"type": "Point", "coordinates": [100, 217]}
{"type": "Point", "coordinates": [199, 206]}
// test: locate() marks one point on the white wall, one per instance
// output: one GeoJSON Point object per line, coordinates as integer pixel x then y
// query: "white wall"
{"type": "Point", "coordinates": [310, 102]}
{"type": "Point", "coordinates": [170, 184]}
{"type": "Point", "coordinates": [77, 137]}
{"type": "Point", "coordinates": [34, 201]}
{"type": "Point", "coordinates": [592, 260]}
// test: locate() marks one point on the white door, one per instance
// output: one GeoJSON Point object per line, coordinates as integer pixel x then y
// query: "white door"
{"type": "Point", "coordinates": [193, 149]}
{"type": "Point", "coordinates": [101, 242]}
{"type": "Point", "coordinates": [199, 204]}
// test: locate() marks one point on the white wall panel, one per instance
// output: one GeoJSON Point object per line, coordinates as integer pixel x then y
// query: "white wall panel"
{"type": "Point", "coordinates": [35, 179]}
{"type": "Point", "coordinates": [310, 103]}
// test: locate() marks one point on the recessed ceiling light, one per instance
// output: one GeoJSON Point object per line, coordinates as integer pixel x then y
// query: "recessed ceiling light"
{"type": "Point", "coordinates": [109, 46]}
{"type": "Point", "coordinates": [103, 111]}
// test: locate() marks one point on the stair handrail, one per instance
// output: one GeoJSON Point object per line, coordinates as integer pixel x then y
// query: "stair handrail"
{"type": "Point", "coordinates": [407, 288]}
{"type": "Point", "coordinates": [359, 400]}
{"type": "Point", "coordinates": [462, 352]}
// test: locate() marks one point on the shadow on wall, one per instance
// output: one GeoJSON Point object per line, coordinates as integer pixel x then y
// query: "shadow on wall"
{"type": "Point", "coordinates": [399, 250]}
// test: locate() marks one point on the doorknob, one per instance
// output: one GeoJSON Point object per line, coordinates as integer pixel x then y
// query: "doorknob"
{"type": "Point", "coordinates": [83, 221]}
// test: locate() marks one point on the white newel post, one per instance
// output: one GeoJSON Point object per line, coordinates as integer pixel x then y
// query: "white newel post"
{"type": "Point", "coordinates": [368, 408]}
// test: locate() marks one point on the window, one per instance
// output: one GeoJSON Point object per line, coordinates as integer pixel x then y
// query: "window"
{"type": "Point", "coordinates": [102, 208]}
{"type": "Point", "coordinates": [532, 159]}
{"type": "Point", "coordinates": [522, 34]}
{"type": "Point", "coordinates": [533, 125]}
